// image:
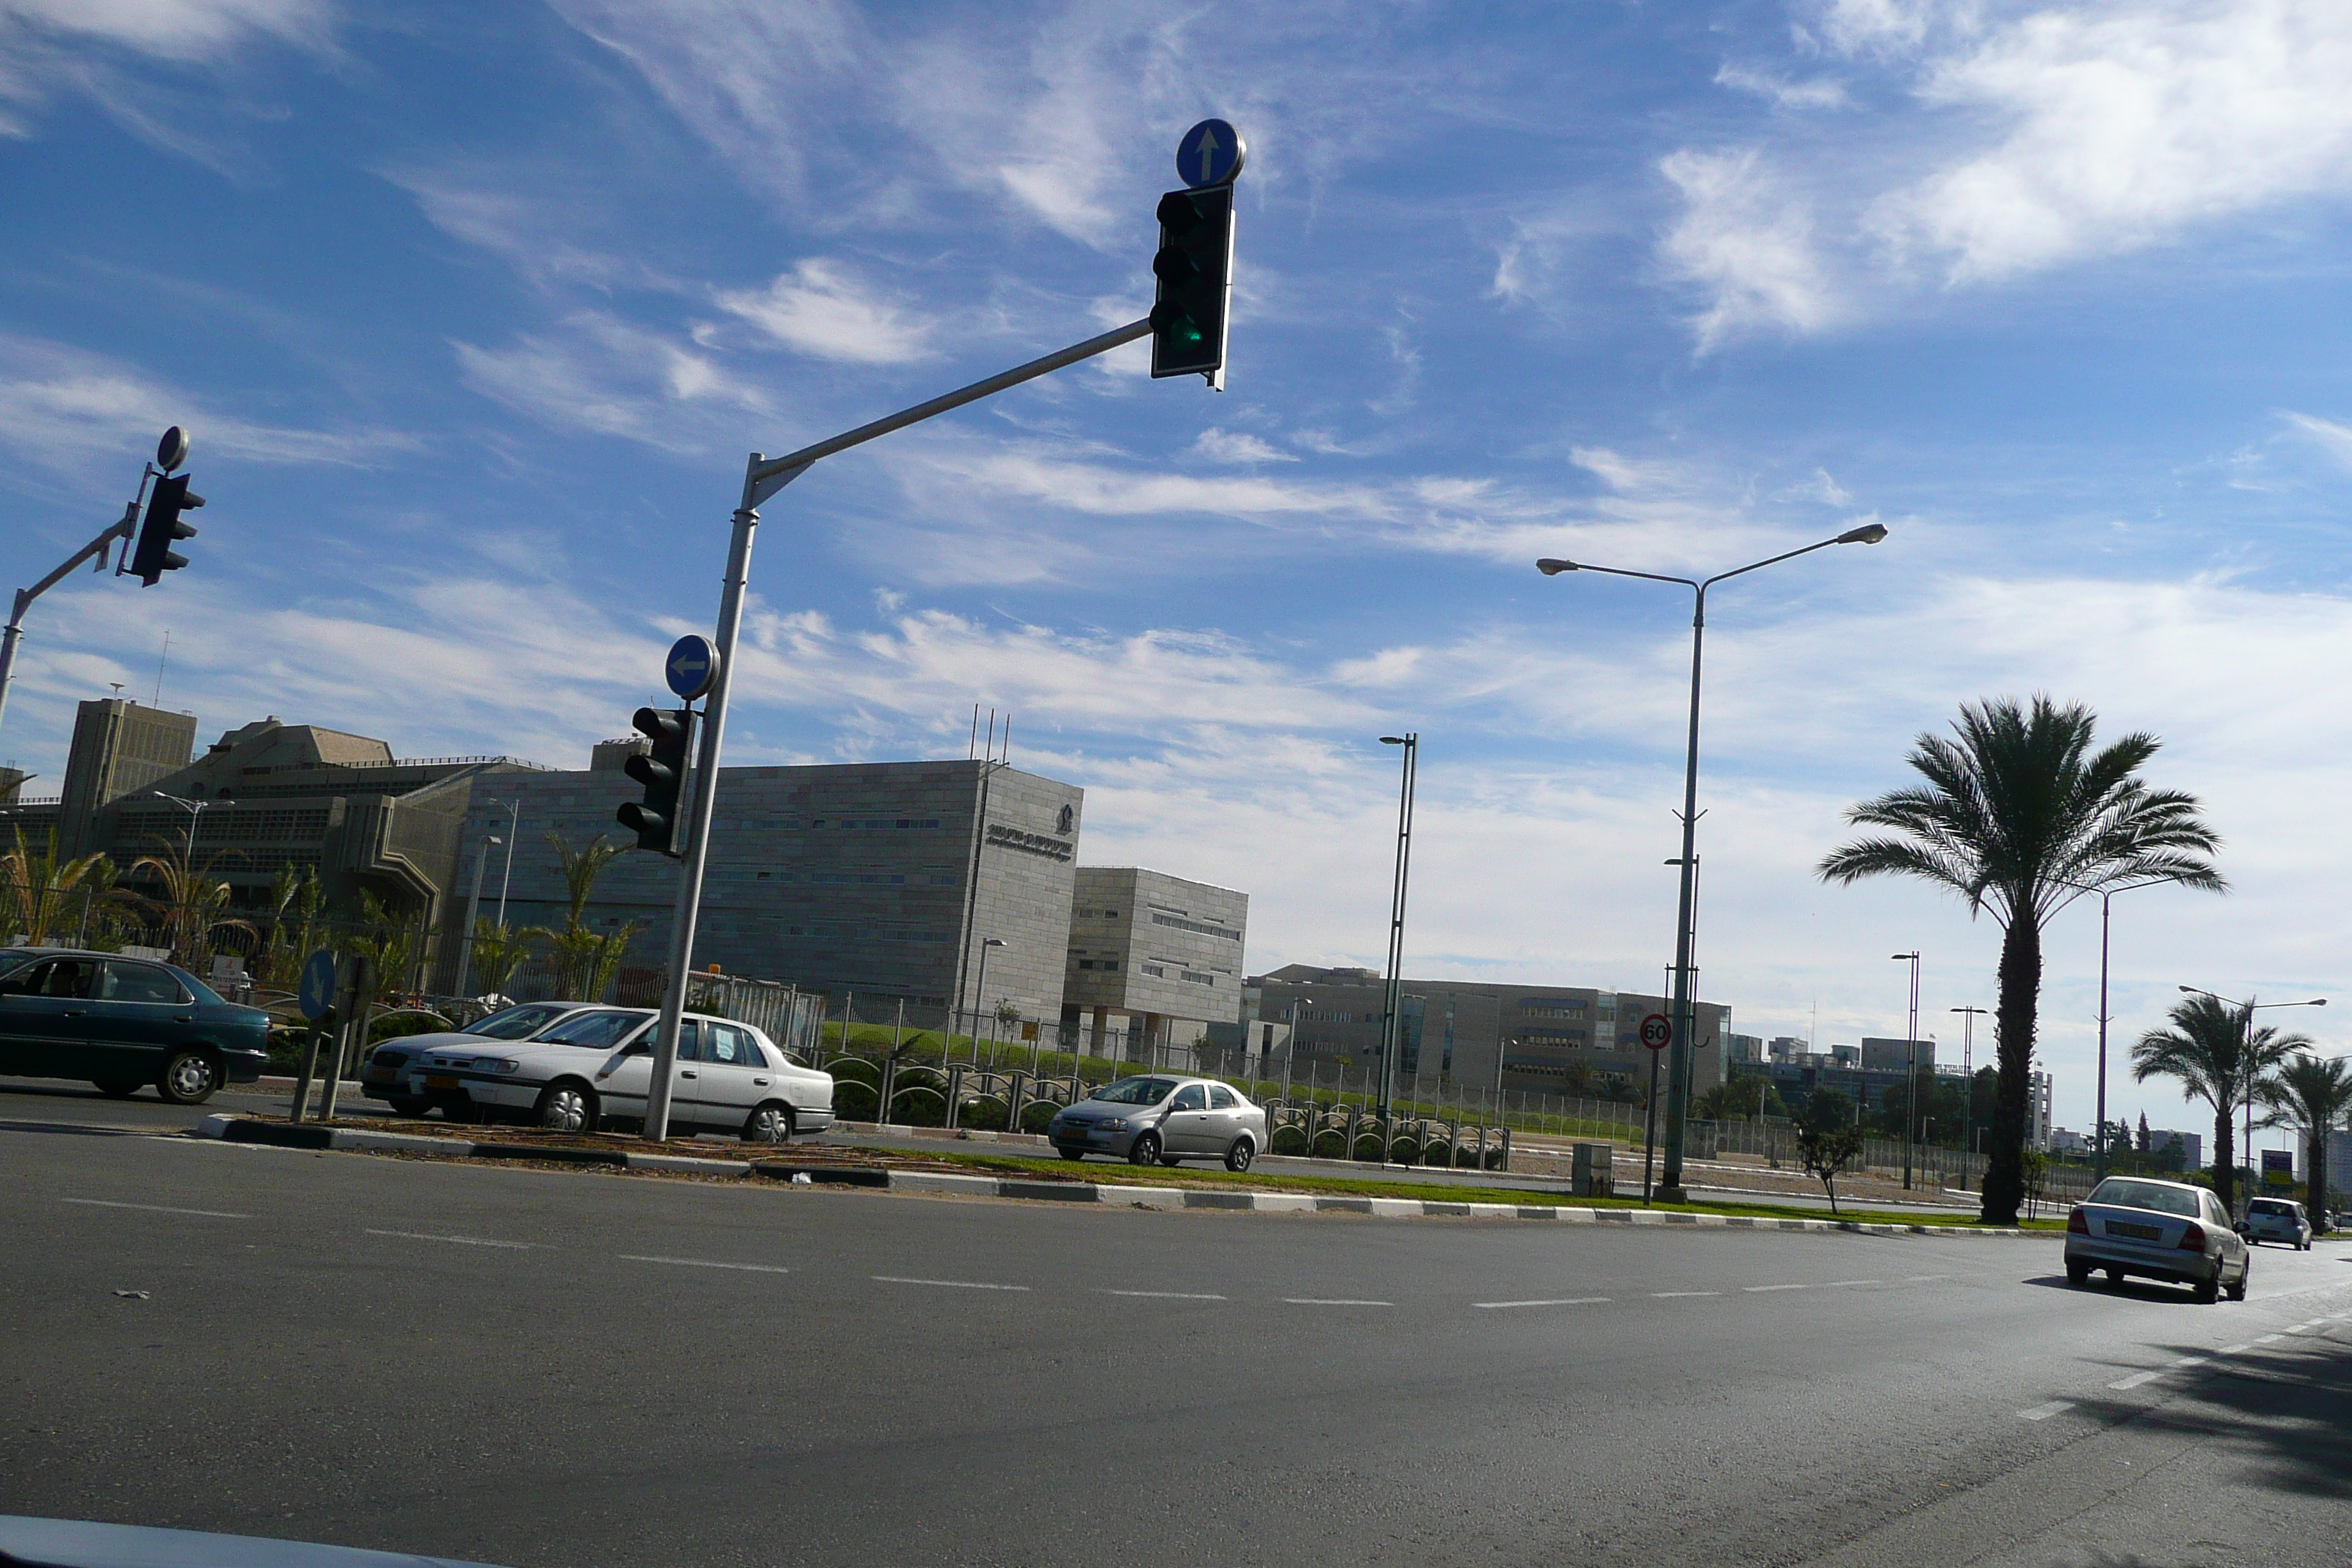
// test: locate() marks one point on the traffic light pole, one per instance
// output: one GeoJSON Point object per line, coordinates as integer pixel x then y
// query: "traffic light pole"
{"type": "Point", "coordinates": [24, 596]}
{"type": "Point", "coordinates": [762, 478]}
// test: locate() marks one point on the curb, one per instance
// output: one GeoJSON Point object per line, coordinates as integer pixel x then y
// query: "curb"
{"type": "Point", "coordinates": [283, 1135]}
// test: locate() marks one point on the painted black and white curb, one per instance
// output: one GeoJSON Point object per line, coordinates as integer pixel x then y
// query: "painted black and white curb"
{"type": "Point", "coordinates": [310, 1135]}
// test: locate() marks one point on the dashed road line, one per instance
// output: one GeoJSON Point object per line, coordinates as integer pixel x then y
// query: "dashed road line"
{"type": "Point", "coordinates": [1836, 1284]}
{"type": "Point", "coordinates": [2191, 1361]}
{"type": "Point", "coordinates": [1680, 1295]}
{"type": "Point", "coordinates": [2044, 1411]}
{"type": "Point", "coordinates": [1324, 1302]}
{"type": "Point", "coordinates": [1552, 1301]}
{"type": "Point", "coordinates": [2234, 1350]}
{"type": "Point", "coordinates": [461, 1240]}
{"type": "Point", "coordinates": [703, 1263]}
{"type": "Point", "coordinates": [153, 1208]}
{"type": "Point", "coordinates": [2268, 1339]}
{"type": "Point", "coordinates": [2136, 1379]}
{"type": "Point", "coordinates": [948, 1284]}
{"type": "Point", "coordinates": [1760, 1289]}
{"type": "Point", "coordinates": [1918, 1278]}
{"type": "Point", "coordinates": [1170, 1295]}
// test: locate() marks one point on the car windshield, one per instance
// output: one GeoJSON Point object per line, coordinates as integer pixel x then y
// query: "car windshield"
{"type": "Point", "coordinates": [1136, 1092]}
{"type": "Point", "coordinates": [519, 1023]}
{"type": "Point", "coordinates": [2155, 1195]}
{"type": "Point", "coordinates": [596, 1031]}
{"type": "Point", "coordinates": [2267, 1207]}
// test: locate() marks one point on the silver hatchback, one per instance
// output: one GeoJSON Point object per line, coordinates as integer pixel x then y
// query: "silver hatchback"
{"type": "Point", "coordinates": [1165, 1119]}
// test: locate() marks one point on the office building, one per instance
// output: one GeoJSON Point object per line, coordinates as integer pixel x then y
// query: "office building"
{"type": "Point", "coordinates": [120, 748]}
{"type": "Point", "coordinates": [1161, 954]}
{"type": "Point", "coordinates": [1897, 1055]}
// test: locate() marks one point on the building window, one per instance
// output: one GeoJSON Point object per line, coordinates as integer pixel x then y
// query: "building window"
{"type": "Point", "coordinates": [1156, 971]}
{"type": "Point", "coordinates": [1195, 926]}
{"type": "Point", "coordinates": [1197, 978]}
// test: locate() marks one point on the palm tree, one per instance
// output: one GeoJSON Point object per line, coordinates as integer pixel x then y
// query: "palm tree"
{"type": "Point", "coordinates": [2310, 1095]}
{"type": "Point", "coordinates": [498, 951]}
{"type": "Point", "coordinates": [2220, 1058]}
{"type": "Point", "coordinates": [587, 960]}
{"type": "Point", "coordinates": [34, 885]}
{"type": "Point", "coordinates": [190, 905]}
{"type": "Point", "coordinates": [2019, 816]}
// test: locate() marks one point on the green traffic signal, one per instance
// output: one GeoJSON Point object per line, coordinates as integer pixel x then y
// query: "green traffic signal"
{"type": "Point", "coordinates": [1193, 266]}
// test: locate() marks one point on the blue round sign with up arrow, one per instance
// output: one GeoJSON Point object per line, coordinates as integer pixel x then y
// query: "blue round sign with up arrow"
{"type": "Point", "coordinates": [691, 667]}
{"type": "Point", "coordinates": [1210, 154]}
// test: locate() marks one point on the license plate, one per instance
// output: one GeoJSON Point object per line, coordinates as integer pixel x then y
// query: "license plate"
{"type": "Point", "coordinates": [450, 1080]}
{"type": "Point", "coordinates": [2136, 1232]}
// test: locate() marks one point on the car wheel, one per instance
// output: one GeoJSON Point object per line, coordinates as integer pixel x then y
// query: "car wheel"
{"type": "Point", "coordinates": [189, 1078]}
{"type": "Point", "coordinates": [409, 1105]}
{"type": "Point", "coordinates": [769, 1124]}
{"type": "Point", "coordinates": [2238, 1291]}
{"type": "Point", "coordinates": [1239, 1156]}
{"type": "Point", "coordinates": [2210, 1290]}
{"type": "Point", "coordinates": [1145, 1149]}
{"type": "Point", "coordinates": [2078, 1275]}
{"type": "Point", "coordinates": [565, 1107]}
{"type": "Point", "coordinates": [1071, 1154]}
{"type": "Point", "coordinates": [119, 1088]}
{"type": "Point", "coordinates": [2114, 1276]}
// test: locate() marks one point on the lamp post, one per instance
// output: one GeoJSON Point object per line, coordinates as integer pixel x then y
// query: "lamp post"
{"type": "Point", "coordinates": [1910, 1063]}
{"type": "Point", "coordinates": [473, 909]}
{"type": "Point", "coordinates": [986, 942]}
{"type": "Point", "coordinates": [2249, 1009]}
{"type": "Point", "coordinates": [1393, 1003]}
{"type": "Point", "coordinates": [1678, 1074]}
{"type": "Point", "coordinates": [514, 821]}
{"type": "Point", "coordinates": [1969, 1072]}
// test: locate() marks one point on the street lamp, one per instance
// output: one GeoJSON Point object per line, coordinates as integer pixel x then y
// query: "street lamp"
{"type": "Point", "coordinates": [2107, 899]}
{"type": "Point", "coordinates": [1678, 1077]}
{"type": "Point", "coordinates": [1911, 1063]}
{"type": "Point", "coordinates": [473, 909]}
{"type": "Point", "coordinates": [985, 944]}
{"type": "Point", "coordinates": [1392, 1019]}
{"type": "Point", "coordinates": [2249, 1009]}
{"type": "Point", "coordinates": [514, 821]}
{"type": "Point", "coordinates": [195, 810]}
{"type": "Point", "coordinates": [1969, 1072]}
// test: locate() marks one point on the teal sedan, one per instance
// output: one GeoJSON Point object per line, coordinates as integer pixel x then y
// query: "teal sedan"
{"type": "Point", "coordinates": [124, 1024]}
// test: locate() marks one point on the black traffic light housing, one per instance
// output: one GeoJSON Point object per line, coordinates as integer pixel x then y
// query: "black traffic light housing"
{"type": "Point", "coordinates": [659, 820]}
{"type": "Point", "coordinates": [153, 555]}
{"type": "Point", "coordinates": [1196, 270]}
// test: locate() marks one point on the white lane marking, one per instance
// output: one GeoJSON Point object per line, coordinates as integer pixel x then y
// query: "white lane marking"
{"type": "Point", "coordinates": [2136, 1379]}
{"type": "Point", "coordinates": [153, 1208]}
{"type": "Point", "coordinates": [1168, 1295]}
{"type": "Point", "coordinates": [2232, 1350]}
{"type": "Point", "coordinates": [1760, 1289]}
{"type": "Point", "coordinates": [949, 1284]}
{"type": "Point", "coordinates": [702, 1263]}
{"type": "Point", "coordinates": [2190, 1361]}
{"type": "Point", "coordinates": [1835, 1284]}
{"type": "Point", "coordinates": [1919, 1278]}
{"type": "Point", "coordinates": [2268, 1339]}
{"type": "Point", "coordinates": [1678, 1295]}
{"type": "Point", "coordinates": [459, 1240]}
{"type": "Point", "coordinates": [1554, 1302]}
{"type": "Point", "coordinates": [2044, 1411]}
{"type": "Point", "coordinates": [1321, 1301]}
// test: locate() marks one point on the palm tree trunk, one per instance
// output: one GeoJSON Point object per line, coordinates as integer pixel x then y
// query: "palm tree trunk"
{"type": "Point", "coordinates": [2315, 1175]}
{"type": "Point", "coordinates": [2225, 1158]}
{"type": "Point", "coordinates": [2020, 991]}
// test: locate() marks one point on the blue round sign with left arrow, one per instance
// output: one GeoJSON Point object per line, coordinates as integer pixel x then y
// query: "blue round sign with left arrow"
{"type": "Point", "coordinates": [691, 667]}
{"type": "Point", "coordinates": [1210, 154]}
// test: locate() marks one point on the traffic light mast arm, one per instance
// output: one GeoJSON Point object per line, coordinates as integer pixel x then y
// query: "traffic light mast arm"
{"type": "Point", "coordinates": [771, 474]}
{"type": "Point", "coordinates": [24, 596]}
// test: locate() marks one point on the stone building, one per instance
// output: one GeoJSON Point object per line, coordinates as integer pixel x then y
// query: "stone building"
{"type": "Point", "coordinates": [1162, 953]}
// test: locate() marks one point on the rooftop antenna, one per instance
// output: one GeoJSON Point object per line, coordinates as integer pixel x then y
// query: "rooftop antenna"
{"type": "Point", "coordinates": [992, 734]}
{"type": "Point", "coordinates": [118, 690]}
{"type": "Point", "coordinates": [971, 751]}
{"type": "Point", "coordinates": [1008, 740]}
{"type": "Point", "coordinates": [160, 664]}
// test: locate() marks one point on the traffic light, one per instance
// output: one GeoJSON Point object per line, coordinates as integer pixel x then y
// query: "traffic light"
{"type": "Point", "coordinates": [1194, 267]}
{"type": "Point", "coordinates": [153, 555]}
{"type": "Point", "coordinates": [658, 819]}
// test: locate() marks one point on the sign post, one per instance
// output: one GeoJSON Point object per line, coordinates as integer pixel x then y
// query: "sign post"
{"type": "Point", "coordinates": [354, 994]}
{"type": "Point", "coordinates": [317, 997]}
{"type": "Point", "coordinates": [1657, 1033]}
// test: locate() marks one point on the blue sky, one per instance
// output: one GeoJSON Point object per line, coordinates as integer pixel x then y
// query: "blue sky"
{"type": "Point", "coordinates": [473, 311]}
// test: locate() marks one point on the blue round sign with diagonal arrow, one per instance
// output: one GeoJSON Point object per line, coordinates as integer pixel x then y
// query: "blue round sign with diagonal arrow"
{"type": "Point", "coordinates": [1210, 154]}
{"type": "Point", "coordinates": [691, 667]}
{"type": "Point", "coordinates": [318, 991]}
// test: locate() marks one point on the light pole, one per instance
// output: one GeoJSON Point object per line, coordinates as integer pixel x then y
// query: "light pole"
{"type": "Point", "coordinates": [514, 821]}
{"type": "Point", "coordinates": [1678, 1074]}
{"type": "Point", "coordinates": [1910, 1063]}
{"type": "Point", "coordinates": [986, 942]}
{"type": "Point", "coordinates": [1969, 1073]}
{"type": "Point", "coordinates": [1392, 1015]}
{"type": "Point", "coordinates": [2246, 1028]}
{"type": "Point", "coordinates": [473, 909]}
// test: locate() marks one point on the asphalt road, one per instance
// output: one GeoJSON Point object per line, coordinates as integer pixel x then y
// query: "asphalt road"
{"type": "Point", "coordinates": [578, 1368]}
{"type": "Point", "coordinates": [39, 1100]}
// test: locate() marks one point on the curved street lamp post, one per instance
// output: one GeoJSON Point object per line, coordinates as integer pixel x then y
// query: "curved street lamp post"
{"type": "Point", "coordinates": [1671, 1189]}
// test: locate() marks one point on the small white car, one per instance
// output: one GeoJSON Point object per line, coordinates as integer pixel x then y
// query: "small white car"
{"type": "Point", "coordinates": [596, 1067]}
{"type": "Point", "coordinates": [2157, 1230]}
{"type": "Point", "coordinates": [2276, 1219]}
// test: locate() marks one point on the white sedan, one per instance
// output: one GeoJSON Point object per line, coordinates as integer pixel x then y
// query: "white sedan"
{"type": "Point", "coordinates": [596, 1067]}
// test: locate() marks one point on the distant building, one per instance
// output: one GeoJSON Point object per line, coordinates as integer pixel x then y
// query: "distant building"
{"type": "Point", "coordinates": [1163, 953]}
{"type": "Point", "coordinates": [1743, 1049]}
{"type": "Point", "coordinates": [120, 748]}
{"type": "Point", "coordinates": [1897, 1055]}
{"type": "Point", "coordinates": [2191, 1146]}
{"type": "Point", "coordinates": [2339, 1166]}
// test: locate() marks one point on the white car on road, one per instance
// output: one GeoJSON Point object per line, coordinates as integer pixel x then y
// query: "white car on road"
{"type": "Point", "coordinates": [596, 1066]}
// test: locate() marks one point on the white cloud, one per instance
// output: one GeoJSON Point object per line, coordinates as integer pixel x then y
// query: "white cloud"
{"type": "Point", "coordinates": [1237, 446]}
{"type": "Point", "coordinates": [597, 372]}
{"type": "Point", "coordinates": [1820, 92]}
{"type": "Point", "coordinates": [62, 407]}
{"type": "Point", "coordinates": [821, 309]}
{"type": "Point", "coordinates": [1748, 242]}
{"type": "Point", "coordinates": [2123, 125]}
{"type": "Point", "coordinates": [172, 29]}
{"type": "Point", "coordinates": [2331, 437]}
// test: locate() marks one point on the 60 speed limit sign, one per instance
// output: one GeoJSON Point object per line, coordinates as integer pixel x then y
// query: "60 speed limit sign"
{"type": "Point", "coordinates": [1657, 1033]}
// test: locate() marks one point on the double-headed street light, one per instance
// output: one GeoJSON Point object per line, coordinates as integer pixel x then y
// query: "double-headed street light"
{"type": "Point", "coordinates": [2249, 1009]}
{"type": "Point", "coordinates": [1969, 1101]}
{"type": "Point", "coordinates": [1686, 1019]}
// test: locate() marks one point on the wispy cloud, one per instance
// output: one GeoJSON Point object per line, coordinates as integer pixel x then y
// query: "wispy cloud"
{"type": "Point", "coordinates": [1746, 242]}
{"type": "Point", "coordinates": [1238, 447]}
{"type": "Point", "coordinates": [598, 372]}
{"type": "Point", "coordinates": [821, 309]}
